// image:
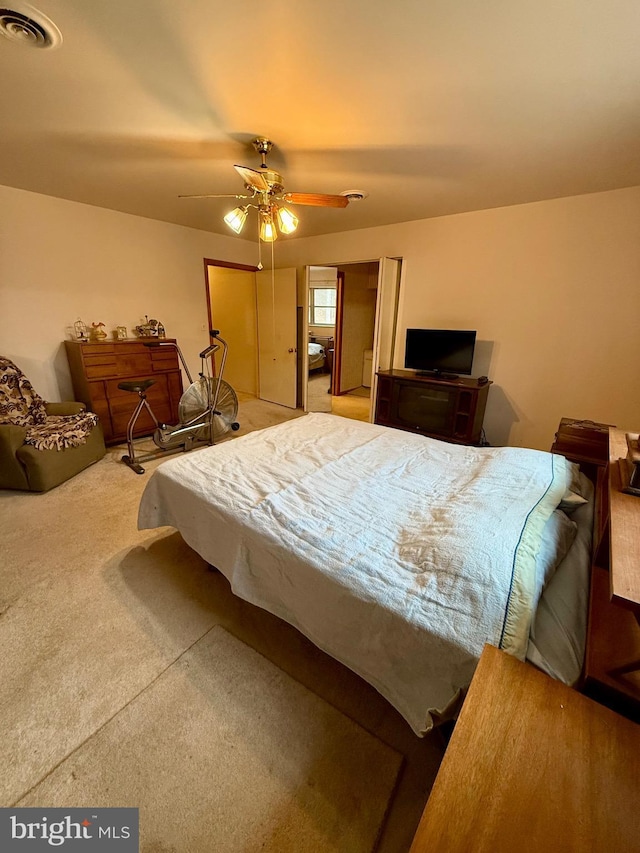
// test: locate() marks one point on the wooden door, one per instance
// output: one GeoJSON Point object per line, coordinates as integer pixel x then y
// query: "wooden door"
{"type": "Point", "coordinates": [276, 301]}
{"type": "Point", "coordinates": [336, 385]}
{"type": "Point", "coordinates": [385, 324]}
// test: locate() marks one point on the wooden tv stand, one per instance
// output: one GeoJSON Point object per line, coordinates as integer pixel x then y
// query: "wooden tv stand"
{"type": "Point", "coordinates": [449, 409]}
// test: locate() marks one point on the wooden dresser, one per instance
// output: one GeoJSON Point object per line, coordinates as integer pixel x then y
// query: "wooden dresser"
{"type": "Point", "coordinates": [98, 366]}
{"type": "Point", "coordinates": [533, 766]}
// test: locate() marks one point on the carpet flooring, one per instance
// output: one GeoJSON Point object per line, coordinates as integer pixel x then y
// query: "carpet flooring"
{"type": "Point", "coordinates": [354, 405]}
{"type": "Point", "coordinates": [225, 747]}
{"type": "Point", "coordinates": [318, 397]}
{"type": "Point", "coordinates": [132, 675]}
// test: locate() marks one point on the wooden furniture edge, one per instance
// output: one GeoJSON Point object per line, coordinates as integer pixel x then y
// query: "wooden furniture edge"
{"type": "Point", "coordinates": [532, 765]}
{"type": "Point", "coordinates": [624, 531]}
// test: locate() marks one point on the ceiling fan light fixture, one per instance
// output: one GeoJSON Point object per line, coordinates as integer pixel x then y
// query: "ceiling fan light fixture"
{"type": "Point", "coordinates": [287, 220]}
{"type": "Point", "coordinates": [268, 232]}
{"type": "Point", "coordinates": [236, 218]}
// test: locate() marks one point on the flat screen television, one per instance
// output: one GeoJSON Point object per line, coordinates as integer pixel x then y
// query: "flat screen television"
{"type": "Point", "coordinates": [440, 352]}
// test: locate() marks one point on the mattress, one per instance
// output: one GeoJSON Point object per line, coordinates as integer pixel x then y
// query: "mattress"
{"type": "Point", "coordinates": [399, 555]}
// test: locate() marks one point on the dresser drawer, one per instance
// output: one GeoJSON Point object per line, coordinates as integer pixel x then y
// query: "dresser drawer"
{"type": "Point", "coordinates": [101, 371]}
{"type": "Point", "coordinates": [98, 349]}
{"type": "Point", "coordinates": [100, 365]}
{"type": "Point", "coordinates": [132, 363]}
{"type": "Point", "coordinates": [168, 363]}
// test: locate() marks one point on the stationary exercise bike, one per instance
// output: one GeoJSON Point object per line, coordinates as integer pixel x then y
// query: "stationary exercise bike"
{"type": "Point", "coordinates": [207, 409]}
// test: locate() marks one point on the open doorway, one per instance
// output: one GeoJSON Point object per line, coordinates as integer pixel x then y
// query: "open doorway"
{"type": "Point", "coordinates": [231, 308]}
{"type": "Point", "coordinates": [255, 311]}
{"type": "Point", "coordinates": [346, 304]}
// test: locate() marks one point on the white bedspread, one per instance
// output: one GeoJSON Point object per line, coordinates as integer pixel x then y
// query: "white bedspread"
{"type": "Point", "coordinates": [397, 554]}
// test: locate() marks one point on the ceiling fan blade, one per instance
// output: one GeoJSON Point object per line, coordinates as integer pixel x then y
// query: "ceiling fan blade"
{"type": "Point", "coordinates": [253, 178]}
{"type": "Point", "coordinates": [214, 195]}
{"type": "Point", "coordinates": [317, 199]}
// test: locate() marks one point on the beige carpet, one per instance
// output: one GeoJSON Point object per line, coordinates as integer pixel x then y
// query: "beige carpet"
{"type": "Point", "coordinates": [351, 406]}
{"type": "Point", "coordinates": [361, 392]}
{"type": "Point", "coordinates": [354, 405]}
{"type": "Point", "coordinates": [224, 747]}
{"type": "Point", "coordinates": [318, 397]}
{"type": "Point", "coordinates": [101, 631]}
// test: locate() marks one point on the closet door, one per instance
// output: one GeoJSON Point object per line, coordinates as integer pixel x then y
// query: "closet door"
{"type": "Point", "coordinates": [277, 336]}
{"type": "Point", "coordinates": [386, 320]}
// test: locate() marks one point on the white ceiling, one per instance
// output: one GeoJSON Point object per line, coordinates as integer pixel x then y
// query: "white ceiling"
{"type": "Point", "coordinates": [430, 106]}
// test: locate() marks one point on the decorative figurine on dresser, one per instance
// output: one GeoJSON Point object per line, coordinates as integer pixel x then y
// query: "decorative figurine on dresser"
{"type": "Point", "coordinates": [150, 329]}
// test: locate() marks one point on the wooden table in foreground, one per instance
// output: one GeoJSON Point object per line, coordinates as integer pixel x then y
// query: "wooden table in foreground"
{"type": "Point", "coordinates": [533, 765]}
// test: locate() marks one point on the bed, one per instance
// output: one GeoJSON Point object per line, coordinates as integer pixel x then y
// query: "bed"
{"type": "Point", "coordinates": [399, 555]}
{"type": "Point", "coordinates": [317, 357]}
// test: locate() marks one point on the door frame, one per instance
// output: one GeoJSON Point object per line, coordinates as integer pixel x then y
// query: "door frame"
{"type": "Point", "coordinates": [212, 262]}
{"type": "Point", "coordinates": [336, 389]}
{"type": "Point", "coordinates": [394, 266]}
{"type": "Point", "coordinates": [398, 297]}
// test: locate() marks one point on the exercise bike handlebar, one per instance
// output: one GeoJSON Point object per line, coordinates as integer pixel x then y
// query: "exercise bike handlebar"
{"type": "Point", "coordinates": [209, 350]}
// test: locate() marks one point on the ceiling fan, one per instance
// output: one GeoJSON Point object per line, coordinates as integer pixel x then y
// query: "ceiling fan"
{"type": "Point", "coordinates": [266, 190]}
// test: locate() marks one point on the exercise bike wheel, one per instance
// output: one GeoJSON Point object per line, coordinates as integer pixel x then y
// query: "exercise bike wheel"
{"type": "Point", "coordinates": [195, 400]}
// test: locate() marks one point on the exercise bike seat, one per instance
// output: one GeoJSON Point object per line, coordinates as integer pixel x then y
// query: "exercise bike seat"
{"type": "Point", "coordinates": [137, 385]}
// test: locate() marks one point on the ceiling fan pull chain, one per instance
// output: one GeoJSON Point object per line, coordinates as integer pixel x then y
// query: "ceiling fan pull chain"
{"type": "Point", "coordinates": [259, 247]}
{"type": "Point", "coordinates": [273, 292]}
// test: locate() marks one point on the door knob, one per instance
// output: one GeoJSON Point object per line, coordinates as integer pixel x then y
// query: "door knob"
{"type": "Point", "coordinates": [291, 349]}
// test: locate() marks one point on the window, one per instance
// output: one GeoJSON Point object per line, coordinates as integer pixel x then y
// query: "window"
{"type": "Point", "coordinates": [322, 306]}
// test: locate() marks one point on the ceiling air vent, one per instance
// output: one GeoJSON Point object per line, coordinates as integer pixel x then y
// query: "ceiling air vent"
{"type": "Point", "coordinates": [28, 26]}
{"type": "Point", "coordinates": [355, 195]}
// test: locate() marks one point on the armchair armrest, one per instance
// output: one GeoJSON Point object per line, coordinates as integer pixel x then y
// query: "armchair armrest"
{"type": "Point", "coordinates": [12, 472]}
{"type": "Point", "coordinates": [11, 438]}
{"type": "Point", "coordinates": [64, 408]}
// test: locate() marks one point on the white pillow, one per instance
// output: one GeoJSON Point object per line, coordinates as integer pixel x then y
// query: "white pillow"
{"type": "Point", "coordinates": [557, 537]}
{"type": "Point", "coordinates": [578, 492]}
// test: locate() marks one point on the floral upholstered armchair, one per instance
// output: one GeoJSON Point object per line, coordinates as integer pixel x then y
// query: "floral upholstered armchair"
{"type": "Point", "coordinates": [42, 444]}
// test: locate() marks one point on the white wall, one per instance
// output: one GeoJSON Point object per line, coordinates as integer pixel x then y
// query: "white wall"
{"type": "Point", "coordinates": [60, 260]}
{"type": "Point", "coordinates": [552, 288]}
